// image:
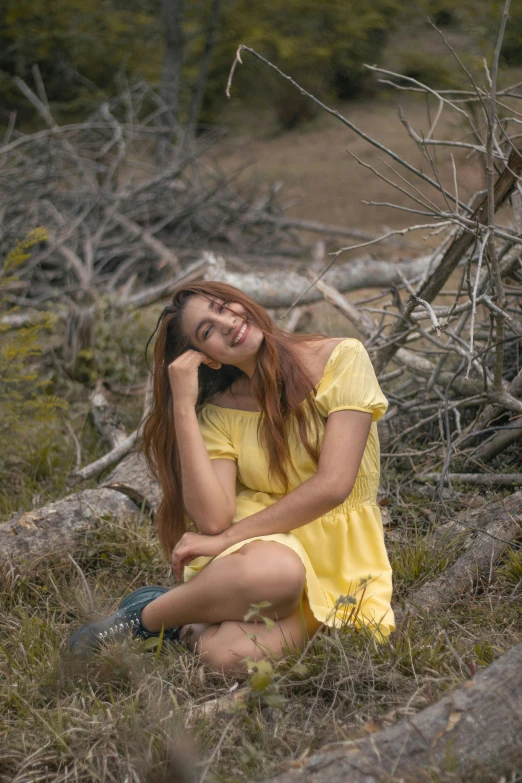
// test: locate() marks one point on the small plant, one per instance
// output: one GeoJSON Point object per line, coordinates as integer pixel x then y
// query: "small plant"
{"type": "Point", "coordinates": [511, 570]}
{"type": "Point", "coordinates": [418, 559]}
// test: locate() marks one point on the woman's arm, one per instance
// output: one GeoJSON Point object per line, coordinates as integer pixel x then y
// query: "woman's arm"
{"type": "Point", "coordinates": [209, 493]}
{"type": "Point", "coordinates": [209, 486]}
{"type": "Point", "coordinates": [343, 446]}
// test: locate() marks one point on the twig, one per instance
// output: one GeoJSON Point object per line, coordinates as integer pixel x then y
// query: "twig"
{"type": "Point", "coordinates": [486, 479]}
{"type": "Point", "coordinates": [474, 302]}
{"type": "Point", "coordinates": [334, 113]}
{"type": "Point", "coordinates": [101, 464]}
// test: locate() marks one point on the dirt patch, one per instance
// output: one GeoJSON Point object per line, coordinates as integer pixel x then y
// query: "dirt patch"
{"type": "Point", "coordinates": [320, 180]}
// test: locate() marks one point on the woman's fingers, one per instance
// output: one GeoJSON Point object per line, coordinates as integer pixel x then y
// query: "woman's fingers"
{"type": "Point", "coordinates": [183, 376]}
{"type": "Point", "coordinates": [180, 556]}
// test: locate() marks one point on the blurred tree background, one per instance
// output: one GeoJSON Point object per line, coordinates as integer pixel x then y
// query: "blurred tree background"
{"type": "Point", "coordinates": [86, 51]}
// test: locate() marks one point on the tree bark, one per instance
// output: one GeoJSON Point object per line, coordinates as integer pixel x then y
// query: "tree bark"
{"type": "Point", "coordinates": [471, 734]}
{"type": "Point", "coordinates": [105, 419]}
{"type": "Point", "coordinates": [133, 478]}
{"type": "Point", "coordinates": [59, 528]}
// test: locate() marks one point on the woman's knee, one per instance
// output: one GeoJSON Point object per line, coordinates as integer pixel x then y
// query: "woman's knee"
{"type": "Point", "coordinates": [272, 572]}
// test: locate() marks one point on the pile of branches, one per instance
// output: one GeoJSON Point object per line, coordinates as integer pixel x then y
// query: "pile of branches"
{"type": "Point", "coordinates": [129, 205]}
{"type": "Point", "coordinates": [132, 209]}
{"type": "Point", "coordinates": [448, 358]}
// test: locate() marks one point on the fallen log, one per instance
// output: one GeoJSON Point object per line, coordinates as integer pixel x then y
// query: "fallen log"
{"type": "Point", "coordinates": [59, 528]}
{"type": "Point", "coordinates": [472, 733]}
{"type": "Point", "coordinates": [281, 289]}
{"type": "Point", "coordinates": [487, 533]}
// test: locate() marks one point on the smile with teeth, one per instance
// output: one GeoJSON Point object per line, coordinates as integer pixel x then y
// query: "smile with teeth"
{"type": "Point", "coordinates": [240, 334]}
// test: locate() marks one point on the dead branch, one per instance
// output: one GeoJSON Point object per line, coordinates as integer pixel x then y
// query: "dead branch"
{"type": "Point", "coordinates": [152, 294]}
{"type": "Point", "coordinates": [105, 419]}
{"type": "Point", "coordinates": [96, 468]}
{"type": "Point", "coordinates": [308, 225]}
{"type": "Point", "coordinates": [497, 443]}
{"type": "Point", "coordinates": [59, 527]}
{"type": "Point", "coordinates": [137, 232]}
{"type": "Point", "coordinates": [482, 479]}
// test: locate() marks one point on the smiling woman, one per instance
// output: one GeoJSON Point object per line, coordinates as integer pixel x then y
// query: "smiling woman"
{"type": "Point", "coordinates": [267, 442]}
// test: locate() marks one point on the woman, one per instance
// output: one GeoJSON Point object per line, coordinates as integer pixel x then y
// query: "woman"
{"type": "Point", "coordinates": [268, 442]}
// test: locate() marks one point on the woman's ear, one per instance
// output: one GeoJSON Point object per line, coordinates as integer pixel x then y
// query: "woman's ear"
{"type": "Point", "coordinates": [214, 365]}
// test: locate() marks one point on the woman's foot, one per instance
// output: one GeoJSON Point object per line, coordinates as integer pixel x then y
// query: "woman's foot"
{"type": "Point", "coordinates": [124, 623]}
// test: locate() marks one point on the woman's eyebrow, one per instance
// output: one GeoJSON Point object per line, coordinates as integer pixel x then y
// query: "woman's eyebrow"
{"type": "Point", "coordinates": [211, 304]}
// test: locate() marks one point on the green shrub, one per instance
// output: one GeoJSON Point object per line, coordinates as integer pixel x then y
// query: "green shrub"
{"type": "Point", "coordinates": [28, 406]}
{"type": "Point", "coordinates": [427, 69]}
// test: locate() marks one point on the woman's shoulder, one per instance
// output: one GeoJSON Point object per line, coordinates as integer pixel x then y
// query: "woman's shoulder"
{"type": "Point", "coordinates": [318, 353]}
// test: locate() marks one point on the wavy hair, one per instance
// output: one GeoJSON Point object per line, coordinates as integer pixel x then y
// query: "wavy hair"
{"type": "Point", "coordinates": [280, 384]}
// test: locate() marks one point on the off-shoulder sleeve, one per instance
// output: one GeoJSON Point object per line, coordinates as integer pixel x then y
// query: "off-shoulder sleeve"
{"type": "Point", "coordinates": [350, 383]}
{"type": "Point", "coordinates": [216, 434]}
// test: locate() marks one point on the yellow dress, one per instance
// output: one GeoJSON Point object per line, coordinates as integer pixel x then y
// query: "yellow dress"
{"type": "Point", "coordinates": [343, 551]}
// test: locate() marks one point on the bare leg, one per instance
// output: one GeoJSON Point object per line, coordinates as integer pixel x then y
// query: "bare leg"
{"type": "Point", "coordinates": [224, 646]}
{"type": "Point", "coordinates": [226, 588]}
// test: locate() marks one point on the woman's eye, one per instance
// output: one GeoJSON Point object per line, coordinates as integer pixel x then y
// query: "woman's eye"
{"type": "Point", "coordinates": [222, 306]}
{"type": "Point", "coordinates": [207, 332]}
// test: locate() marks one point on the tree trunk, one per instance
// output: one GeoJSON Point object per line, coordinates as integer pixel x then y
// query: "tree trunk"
{"type": "Point", "coordinates": [59, 527]}
{"type": "Point", "coordinates": [172, 12]}
{"type": "Point", "coordinates": [200, 87]}
{"type": "Point", "coordinates": [470, 735]}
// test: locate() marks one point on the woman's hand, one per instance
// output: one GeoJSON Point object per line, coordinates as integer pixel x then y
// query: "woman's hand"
{"type": "Point", "coordinates": [192, 545]}
{"type": "Point", "coordinates": [183, 376]}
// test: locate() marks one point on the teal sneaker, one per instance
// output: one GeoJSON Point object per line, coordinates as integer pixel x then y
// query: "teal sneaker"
{"type": "Point", "coordinates": [122, 624]}
{"type": "Point", "coordinates": [149, 591]}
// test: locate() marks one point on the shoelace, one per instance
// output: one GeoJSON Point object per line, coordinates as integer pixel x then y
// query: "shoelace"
{"type": "Point", "coordinates": [118, 627]}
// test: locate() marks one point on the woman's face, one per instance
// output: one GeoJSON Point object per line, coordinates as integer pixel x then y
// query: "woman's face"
{"type": "Point", "coordinates": [222, 333]}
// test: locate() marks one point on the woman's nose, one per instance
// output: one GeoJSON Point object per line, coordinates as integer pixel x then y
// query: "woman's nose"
{"type": "Point", "coordinates": [229, 323]}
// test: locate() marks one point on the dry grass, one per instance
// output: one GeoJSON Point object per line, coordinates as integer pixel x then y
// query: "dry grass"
{"type": "Point", "coordinates": [137, 715]}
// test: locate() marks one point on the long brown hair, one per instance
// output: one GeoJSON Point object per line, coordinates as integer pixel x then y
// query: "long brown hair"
{"type": "Point", "coordinates": [281, 387]}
